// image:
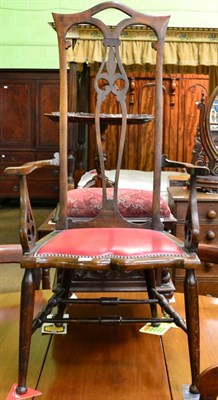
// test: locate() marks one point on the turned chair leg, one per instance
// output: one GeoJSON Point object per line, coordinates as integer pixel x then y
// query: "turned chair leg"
{"type": "Point", "coordinates": [150, 280]}
{"type": "Point", "coordinates": [46, 282]}
{"type": "Point", "coordinates": [26, 318]}
{"type": "Point", "coordinates": [192, 321]}
{"type": "Point", "coordinates": [65, 276]}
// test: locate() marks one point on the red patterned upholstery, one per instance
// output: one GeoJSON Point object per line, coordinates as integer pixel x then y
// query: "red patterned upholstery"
{"type": "Point", "coordinates": [111, 242]}
{"type": "Point", "coordinates": [86, 202]}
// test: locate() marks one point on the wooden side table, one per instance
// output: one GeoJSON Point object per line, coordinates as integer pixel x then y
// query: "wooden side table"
{"type": "Point", "coordinates": [208, 215]}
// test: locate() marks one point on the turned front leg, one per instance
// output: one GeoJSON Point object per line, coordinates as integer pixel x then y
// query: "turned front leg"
{"type": "Point", "coordinates": [26, 318]}
{"type": "Point", "coordinates": [192, 321]}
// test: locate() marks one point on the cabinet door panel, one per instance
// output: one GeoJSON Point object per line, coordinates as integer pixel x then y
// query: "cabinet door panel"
{"type": "Point", "coordinates": [146, 98]}
{"type": "Point", "coordinates": [16, 122]}
{"type": "Point", "coordinates": [188, 114]}
{"type": "Point", "coordinates": [48, 101]}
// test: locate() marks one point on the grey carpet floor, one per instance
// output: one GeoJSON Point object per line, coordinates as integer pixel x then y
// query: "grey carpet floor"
{"type": "Point", "coordinates": [11, 274]}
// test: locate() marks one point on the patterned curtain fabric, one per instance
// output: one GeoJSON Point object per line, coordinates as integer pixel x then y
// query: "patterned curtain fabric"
{"type": "Point", "coordinates": [186, 50]}
{"type": "Point", "coordinates": [183, 47]}
{"type": "Point", "coordinates": [138, 52]}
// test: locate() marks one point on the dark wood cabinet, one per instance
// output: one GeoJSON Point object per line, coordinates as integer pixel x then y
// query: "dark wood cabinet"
{"type": "Point", "coordinates": [26, 134]}
{"type": "Point", "coordinates": [208, 210]}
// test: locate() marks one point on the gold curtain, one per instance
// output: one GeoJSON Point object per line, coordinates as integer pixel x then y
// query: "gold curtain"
{"type": "Point", "coordinates": [139, 52]}
{"type": "Point", "coordinates": [186, 50]}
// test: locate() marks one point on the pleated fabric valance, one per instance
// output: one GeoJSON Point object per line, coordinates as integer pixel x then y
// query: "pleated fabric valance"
{"type": "Point", "coordinates": [192, 47]}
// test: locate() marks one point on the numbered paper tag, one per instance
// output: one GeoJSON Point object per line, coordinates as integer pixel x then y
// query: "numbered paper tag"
{"type": "Point", "coordinates": [157, 330]}
{"type": "Point", "coordinates": [51, 329]}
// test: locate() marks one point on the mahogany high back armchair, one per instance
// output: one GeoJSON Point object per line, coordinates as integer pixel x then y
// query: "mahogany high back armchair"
{"type": "Point", "coordinates": [109, 242]}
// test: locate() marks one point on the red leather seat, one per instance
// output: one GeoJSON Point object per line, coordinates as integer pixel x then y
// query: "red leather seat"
{"type": "Point", "coordinates": [114, 243]}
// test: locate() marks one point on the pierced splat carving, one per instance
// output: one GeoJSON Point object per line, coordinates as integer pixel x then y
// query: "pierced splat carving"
{"type": "Point", "coordinates": [198, 154]}
{"type": "Point", "coordinates": [205, 151]}
{"type": "Point", "coordinates": [28, 233]}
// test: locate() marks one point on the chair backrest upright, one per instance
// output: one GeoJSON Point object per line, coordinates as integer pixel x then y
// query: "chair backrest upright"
{"type": "Point", "coordinates": [112, 73]}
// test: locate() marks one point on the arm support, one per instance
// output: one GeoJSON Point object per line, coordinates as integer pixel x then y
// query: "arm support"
{"type": "Point", "coordinates": [29, 167]}
{"type": "Point", "coordinates": [191, 226]}
{"type": "Point", "coordinates": [28, 233]}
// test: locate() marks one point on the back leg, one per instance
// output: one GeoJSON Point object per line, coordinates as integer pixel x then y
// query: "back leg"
{"type": "Point", "coordinates": [150, 280]}
{"type": "Point", "coordinates": [192, 322]}
{"type": "Point", "coordinates": [26, 318]}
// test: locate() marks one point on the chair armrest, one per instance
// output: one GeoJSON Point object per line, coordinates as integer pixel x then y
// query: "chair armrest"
{"type": "Point", "coordinates": [10, 253]}
{"type": "Point", "coordinates": [191, 169]}
{"type": "Point", "coordinates": [208, 252]}
{"type": "Point", "coordinates": [31, 166]}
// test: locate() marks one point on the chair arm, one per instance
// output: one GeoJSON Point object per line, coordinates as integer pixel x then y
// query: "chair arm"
{"type": "Point", "coordinates": [31, 166]}
{"type": "Point", "coordinates": [10, 253]}
{"type": "Point", "coordinates": [208, 253]}
{"type": "Point", "coordinates": [191, 169]}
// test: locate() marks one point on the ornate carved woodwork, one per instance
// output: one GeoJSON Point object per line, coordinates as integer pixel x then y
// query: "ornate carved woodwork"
{"type": "Point", "coordinates": [205, 150]}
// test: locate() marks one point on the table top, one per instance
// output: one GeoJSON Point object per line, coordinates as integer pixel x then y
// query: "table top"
{"type": "Point", "coordinates": [105, 119]}
{"type": "Point", "coordinates": [182, 193]}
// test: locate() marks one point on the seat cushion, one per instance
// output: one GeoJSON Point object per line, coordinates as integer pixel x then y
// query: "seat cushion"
{"type": "Point", "coordinates": [133, 203]}
{"type": "Point", "coordinates": [112, 243]}
{"type": "Point", "coordinates": [134, 179]}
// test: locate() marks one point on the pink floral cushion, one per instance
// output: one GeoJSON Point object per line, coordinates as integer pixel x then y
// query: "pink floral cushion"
{"type": "Point", "coordinates": [133, 203]}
